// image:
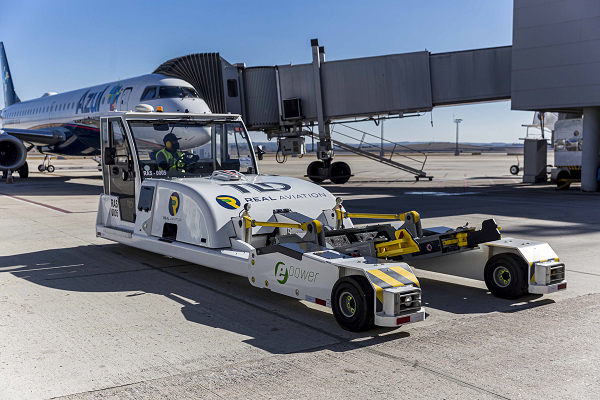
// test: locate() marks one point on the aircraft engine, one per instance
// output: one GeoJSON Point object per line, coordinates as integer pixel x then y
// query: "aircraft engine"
{"type": "Point", "coordinates": [12, 153]}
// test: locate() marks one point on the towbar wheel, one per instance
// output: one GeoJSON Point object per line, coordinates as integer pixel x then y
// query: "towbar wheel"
{"type": "Point", "coordinates": [506, 276]}
{"type": "Point", "coordinates": [352, 303]}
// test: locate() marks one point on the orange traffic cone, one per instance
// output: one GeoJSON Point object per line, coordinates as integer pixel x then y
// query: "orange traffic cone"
{"type": "Point", "coordinates": [9, 177]}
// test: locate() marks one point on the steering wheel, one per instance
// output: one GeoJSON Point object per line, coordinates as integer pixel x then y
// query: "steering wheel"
{"type": "Point", "coordinates": [186, 159]}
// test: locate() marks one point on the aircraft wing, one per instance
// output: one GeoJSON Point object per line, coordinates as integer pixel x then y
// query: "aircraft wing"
{"type": "Point", "coordinates": [40, 137]}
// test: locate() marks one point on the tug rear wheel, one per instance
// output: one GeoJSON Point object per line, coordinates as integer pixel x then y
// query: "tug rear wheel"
{"type": "Point", "coordinates": [313, 171]}
{"type": "Point", "coordinates": [506, 276]}
{"type": "Point", "coordinates": [352, 303]}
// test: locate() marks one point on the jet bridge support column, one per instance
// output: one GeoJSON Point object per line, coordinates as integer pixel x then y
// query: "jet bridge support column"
{"type": "Point", "coordinates": [325, 146]}
{"type": "Point", "coordinates": [590, 150]}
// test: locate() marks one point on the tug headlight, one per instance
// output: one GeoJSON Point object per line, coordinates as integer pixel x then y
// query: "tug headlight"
{"type": "Point", "coordinates": [408, 300]}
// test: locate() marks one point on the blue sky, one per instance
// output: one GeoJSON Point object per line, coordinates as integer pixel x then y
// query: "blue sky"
{"type": "Point", "coordinates": [65, 45]}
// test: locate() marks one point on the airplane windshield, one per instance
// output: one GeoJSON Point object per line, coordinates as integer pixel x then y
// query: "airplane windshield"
{"type": "Point", "coordinates": [183, 148]}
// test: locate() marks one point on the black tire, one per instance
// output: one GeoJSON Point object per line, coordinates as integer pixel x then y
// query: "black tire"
{"type": "Point", "coordinates": [24, 171]}
{"type": "Point", "coordinates": [313, 170]}
{"type": "Point", "coordinates": [339, 172]}
{"type": "Point", "coordinates": [514, 169]}
{"type": "Point", "coordinates": [41, 168]}
{"type": "Point", "coordinates": [50, 168]}
{"type": "Point", "coordinates": [352, 303]}
{"type": "Point", "coordinates": [506, 276]}
{"type": "Point", "coordinates": [561, 179]}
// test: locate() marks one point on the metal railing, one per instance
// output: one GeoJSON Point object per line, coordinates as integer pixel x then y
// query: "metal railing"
{"type": "Point", "coordinates": [396, 145]}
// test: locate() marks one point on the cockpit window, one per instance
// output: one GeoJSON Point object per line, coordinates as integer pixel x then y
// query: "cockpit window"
{"type": "Point", "coordinates": [149, 93]}
{"type": "Point", "coordinates": [191, 92]}
{"type": "Point", "coordinates": [168, 92]}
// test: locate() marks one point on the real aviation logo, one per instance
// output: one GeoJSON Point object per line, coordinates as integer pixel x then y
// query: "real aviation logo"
{"type": "Point", "coordinates": [281, 274]}
{"type": "Point", "coordinates": [174, 203]}
{"type": "Point", "coordinates": [229, 202]}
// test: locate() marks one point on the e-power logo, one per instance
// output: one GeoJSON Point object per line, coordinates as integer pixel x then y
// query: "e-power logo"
{"type": "Point", "coordinates": [174, 203]}
{"type": "Point", "coordinates": [283, 273]}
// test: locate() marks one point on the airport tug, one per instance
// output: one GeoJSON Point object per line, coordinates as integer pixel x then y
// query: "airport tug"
{"type": "Point", "coordinates": [188, 186]}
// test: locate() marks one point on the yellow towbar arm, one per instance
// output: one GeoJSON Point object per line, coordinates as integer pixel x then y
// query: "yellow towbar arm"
{"type": "Point", "coordinates": [251, 223]}
{"type": "Point", "coordinates": [400, 217]}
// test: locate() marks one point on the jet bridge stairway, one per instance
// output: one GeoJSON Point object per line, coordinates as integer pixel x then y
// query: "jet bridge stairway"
{"type": "Point", "coordinates": [418, 173]}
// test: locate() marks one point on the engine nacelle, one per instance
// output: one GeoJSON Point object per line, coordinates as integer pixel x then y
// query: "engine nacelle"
{"type": "Point", "coordinates": [12, 153]}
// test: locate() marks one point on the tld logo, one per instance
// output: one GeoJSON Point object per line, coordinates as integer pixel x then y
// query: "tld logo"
{"type": "Point", "coordinates": [174, 203]}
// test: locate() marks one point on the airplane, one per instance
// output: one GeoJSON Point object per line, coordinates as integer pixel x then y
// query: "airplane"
{"type": "Point", "coordinates": [63, 124]}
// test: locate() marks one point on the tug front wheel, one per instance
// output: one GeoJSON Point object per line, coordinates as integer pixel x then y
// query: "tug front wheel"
{"type": "Point", "coordinates": [506, 276]}
{"type": "Point", "coordinates": [352, 303]}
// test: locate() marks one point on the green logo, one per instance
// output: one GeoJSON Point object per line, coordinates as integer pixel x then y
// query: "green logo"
{"type": "Point", "coordinates": [283, 273]}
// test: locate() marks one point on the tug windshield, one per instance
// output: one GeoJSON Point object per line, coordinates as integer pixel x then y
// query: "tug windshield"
{"type": "Point", "coordinates": [187, 148]}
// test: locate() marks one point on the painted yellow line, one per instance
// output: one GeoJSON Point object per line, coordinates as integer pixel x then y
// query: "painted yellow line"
{"type": "Point", "coordinates": [406, 274]}
{"type": "Point", "coordinates": [379, 292]}
{"type": "Point", "coordinates": [386, 278]}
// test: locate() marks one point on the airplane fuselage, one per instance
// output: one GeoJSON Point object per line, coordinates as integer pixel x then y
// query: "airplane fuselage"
{"type": "Point", "coordinates": [65, 111]}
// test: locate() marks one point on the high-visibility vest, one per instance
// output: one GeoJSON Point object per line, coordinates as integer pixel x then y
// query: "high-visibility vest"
{"type": "Point", "coordinates": [170, 158]}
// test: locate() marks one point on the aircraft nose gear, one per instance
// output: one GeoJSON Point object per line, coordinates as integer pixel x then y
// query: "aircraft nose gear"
{"type": "Point", "coordinates": [45, 165]}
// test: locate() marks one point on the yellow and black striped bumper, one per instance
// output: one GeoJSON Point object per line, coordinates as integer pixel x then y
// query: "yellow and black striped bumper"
{"type": "Point", "coordinates": [390, 277]}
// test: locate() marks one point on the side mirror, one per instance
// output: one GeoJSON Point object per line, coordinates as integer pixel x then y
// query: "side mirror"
{"type": "Point", "coordinates": [260, 152]}
{"type": "Point", "coordinates": [110, 154]}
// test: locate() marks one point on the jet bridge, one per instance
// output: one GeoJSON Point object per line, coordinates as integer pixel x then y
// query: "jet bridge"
{"type": "Point", "coordinates": [285, 101]}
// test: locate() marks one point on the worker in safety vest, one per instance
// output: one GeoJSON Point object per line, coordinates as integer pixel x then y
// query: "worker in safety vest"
{"type": "Point", "coordinates": [166, 157]}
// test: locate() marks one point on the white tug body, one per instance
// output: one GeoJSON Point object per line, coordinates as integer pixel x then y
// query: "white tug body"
{"type": "Point", "coordinates": [210, 206]}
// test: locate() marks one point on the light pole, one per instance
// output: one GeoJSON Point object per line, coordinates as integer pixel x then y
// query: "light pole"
{"type": "Point", "coordinates": [382, 151]}
{"type": "Point", "coordinates": [457, 121]}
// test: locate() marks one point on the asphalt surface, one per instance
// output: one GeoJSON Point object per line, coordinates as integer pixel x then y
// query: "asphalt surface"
{"type": "Point", "coordinates": [84, 318]}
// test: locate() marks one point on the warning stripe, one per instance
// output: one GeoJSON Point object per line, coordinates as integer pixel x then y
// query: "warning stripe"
{"type": "Point", "coordinates": [406, 274]}
{"type": "Point", "coordinates": [384, 280]}
{"type": "Point", "coordinates": [379, 293]}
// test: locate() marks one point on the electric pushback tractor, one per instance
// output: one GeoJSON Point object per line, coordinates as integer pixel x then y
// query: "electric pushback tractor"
{"type": "Point", "coordinates": [188, 186]}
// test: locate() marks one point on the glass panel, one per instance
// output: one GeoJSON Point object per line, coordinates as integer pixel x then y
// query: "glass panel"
{"type": "Point", "coordinates": [572, 145]}
{"type": "Point", "coordinates": [190, 92]}
{"type": "Point", "coordinates": [121, 185]}
{"type": "Point", "coordinates": [170, 149]}
{"type": "Point", "coordinates": [105, 143]}
{"type": "Point", "coordinates": [150, 93]}
{"type": "Point", "coordinates": [559, 145]}
{"type": "Point", "coordinates": [166, 92]}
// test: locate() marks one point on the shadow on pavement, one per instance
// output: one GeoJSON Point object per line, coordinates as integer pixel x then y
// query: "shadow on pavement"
{"type": "Point", "coordinates": [272, 322]}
